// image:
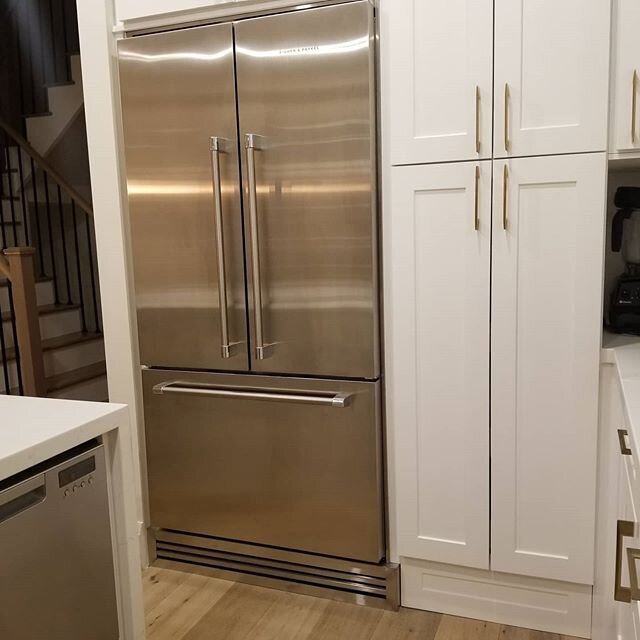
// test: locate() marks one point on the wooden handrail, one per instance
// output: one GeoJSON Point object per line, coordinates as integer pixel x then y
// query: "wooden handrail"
{"type": "Point", "coordinates": [81, 202]}
{"type": "Point", "coordinates": [17, 264]}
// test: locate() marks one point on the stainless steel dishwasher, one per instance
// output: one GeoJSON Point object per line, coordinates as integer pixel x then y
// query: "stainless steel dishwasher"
{"type": "Point", "coordinates": [57, 577]}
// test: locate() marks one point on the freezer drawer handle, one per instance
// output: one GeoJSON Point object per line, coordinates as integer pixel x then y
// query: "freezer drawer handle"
{"type": "Point", "coordinates": [255, 143]}
{"type": "Point", "coordinates": [217, 146]}
{"type": "Point", "coordinates": [335, 400]}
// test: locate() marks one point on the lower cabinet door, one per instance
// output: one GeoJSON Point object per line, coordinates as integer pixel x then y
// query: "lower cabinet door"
{"type": "Point", "coordinates": [438, 360]}
{"type": "Point", "coordinates": [548, 237]}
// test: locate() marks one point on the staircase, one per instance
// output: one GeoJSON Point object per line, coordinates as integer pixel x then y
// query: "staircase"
{"type": "Point", "coordinates": [40, 209]}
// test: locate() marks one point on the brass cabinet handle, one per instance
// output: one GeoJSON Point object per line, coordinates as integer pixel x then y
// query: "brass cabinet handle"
{"type": "Point", "coordinates": [505, 197]}
{"type": "Point", "coordinates": [625, 529]}
{"type": "Point", "coordinates": [477, 119]}
{"type": "Point", "coordinates": [634, 104]}
{"type": "Point", "coordinates": [476, 206]}
{"type": "Point", "coordinates": [624, 449]}
{"type": "Point", "coordinates": [507, 97]}
{"type": "Point", "coordinates": [634, 588]}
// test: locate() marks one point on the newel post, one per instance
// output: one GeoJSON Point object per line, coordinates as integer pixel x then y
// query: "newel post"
{"type": "Point", "coordinates": [23, 286]}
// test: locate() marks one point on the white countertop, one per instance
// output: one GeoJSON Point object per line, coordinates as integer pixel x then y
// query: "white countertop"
{"type": "Point", "coordinates": [35, 429]}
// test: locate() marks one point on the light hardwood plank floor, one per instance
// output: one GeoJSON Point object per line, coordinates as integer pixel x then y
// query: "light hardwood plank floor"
{"type": "Point", "coordinates": [183, 606]}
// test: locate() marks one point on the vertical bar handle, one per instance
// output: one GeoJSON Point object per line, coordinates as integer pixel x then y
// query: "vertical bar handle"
{"type": "Point", "coordinates": [505, 197]}
{"type": "Point", "coordinates": [634, 105]}
{"type": "Point", "coordinates": [477, 119]}
{"type": "Point", "coordinates": [507, 124]}
{"type": "Point", "coordinates": [624, 529]}
{"type": "Point", "coordinates": [255, 143]}
{"type": "Point", "coordinates": [476, 204]}
{"type": "Point", "coordinates": [624, 449]}
{"type": "Point", "coordinates": [218, 146]}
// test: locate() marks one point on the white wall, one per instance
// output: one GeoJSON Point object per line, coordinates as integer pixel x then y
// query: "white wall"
{"type": "Point", "coordinates": [97, 50]}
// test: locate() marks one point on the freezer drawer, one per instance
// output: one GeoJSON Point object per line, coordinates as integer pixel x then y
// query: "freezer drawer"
{"type": "Point", "coordinates": [286, 462]}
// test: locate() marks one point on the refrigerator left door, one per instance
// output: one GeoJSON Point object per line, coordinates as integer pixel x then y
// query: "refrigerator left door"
{"type": "Point", "coordinates": [180, 133]}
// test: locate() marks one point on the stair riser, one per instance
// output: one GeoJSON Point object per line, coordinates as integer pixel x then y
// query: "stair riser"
{"type": "Point", "coordinates": [52, 325]}
{"type": "Point", "coordinates": [44, 295]}
{"type": "Point", "coordinates": [61, 360]}
{"type": "Point", "coordinates": [91, 390]}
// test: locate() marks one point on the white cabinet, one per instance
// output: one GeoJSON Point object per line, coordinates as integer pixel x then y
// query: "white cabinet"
{"type": "Point", "coordinates": [547, 261]}
{"type": "Point", "coordinates": [551, 76]}
{"type": "Point", "coordinates": [625, 114]}
{"type": "Point", "coordinates": [438, 360]}
{"type": "Point", "coordinates": [440, 79]}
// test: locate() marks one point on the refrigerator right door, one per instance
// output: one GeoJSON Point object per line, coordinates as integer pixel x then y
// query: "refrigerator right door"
{"type": "Point", "coordinates": [306, 102]}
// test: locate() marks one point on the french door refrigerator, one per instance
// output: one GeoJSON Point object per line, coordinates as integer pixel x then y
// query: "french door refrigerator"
{"type": "Point", "coordinates": [251, 170]}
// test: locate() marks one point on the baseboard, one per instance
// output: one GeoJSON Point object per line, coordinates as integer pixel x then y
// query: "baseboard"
{"type": "Point", "coordinates": [543, 605]}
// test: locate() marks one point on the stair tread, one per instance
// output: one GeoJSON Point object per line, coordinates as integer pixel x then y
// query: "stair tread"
{"type": "Point", "coordinates": [4, 282]}
{"type": "Point", "coordinates": [37, 114]}
{"type": "Point", "coordinates": [60, 342]}
{"type": "Point", "coordinates": [76, 376]}
{"type": "Point", "coordinates": [14, 198]}
{"type": "Point", "coordinates": [47, 309]}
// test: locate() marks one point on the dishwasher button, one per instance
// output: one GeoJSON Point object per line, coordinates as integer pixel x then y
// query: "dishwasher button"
{"type": "Point", "coordinates": [83, 484]}
{"type": "Point", "coordinates": [67, 493]}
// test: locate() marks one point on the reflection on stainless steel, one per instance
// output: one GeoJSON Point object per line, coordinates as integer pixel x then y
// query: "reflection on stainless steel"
{"type": "Point", "coordinates": [316, 112]}
{"type": "Point", "coordinates": [280, 473]}
{"type": "Point", "coordinates": [171, 108]}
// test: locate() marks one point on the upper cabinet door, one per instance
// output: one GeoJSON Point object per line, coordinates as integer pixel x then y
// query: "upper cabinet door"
{"type": "Point", "coordinates": [551, 76]}
{"type": "Point", "coordinates": [547, 257]}
{"type": "Point", "coordinates": [178, 99]}
{"type": "Point", "coordinates": [437, 58]}
{"type": "Point", "coordinates": [438, 360]}
{"type": "Point", "coordinates": [625, 116]}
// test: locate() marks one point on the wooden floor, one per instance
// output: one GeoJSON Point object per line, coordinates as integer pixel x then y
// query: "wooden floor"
{"type": "Point", "coordinates": [183, 606]}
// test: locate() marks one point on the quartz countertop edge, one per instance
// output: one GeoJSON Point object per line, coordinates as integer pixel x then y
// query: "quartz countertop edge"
{"type": "Point", "coordinates": [33, 430]}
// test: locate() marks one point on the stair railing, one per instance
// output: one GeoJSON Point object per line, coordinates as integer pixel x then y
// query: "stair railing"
{"type": "Point", "coordinates": [16, 264]}
{"type": "Point", "coordinates": [57, 222]}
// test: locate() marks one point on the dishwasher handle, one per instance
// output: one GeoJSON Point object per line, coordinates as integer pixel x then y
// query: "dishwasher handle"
{"type": "Point", "coordinates": [21, 497]}
{"type": "Point", "coordinates": [335, 400]}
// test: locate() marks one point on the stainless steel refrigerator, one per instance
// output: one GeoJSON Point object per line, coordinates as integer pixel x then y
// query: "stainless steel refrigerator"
{"type": "Point", "coordinates": [251, 168]}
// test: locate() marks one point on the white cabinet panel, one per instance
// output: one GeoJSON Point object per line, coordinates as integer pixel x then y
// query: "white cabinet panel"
{"type": "Point", "coordinates": [439, 61]}
{"type": "Point", "coordinates": [553, 57]}
{"type": "Point", "coordinates": [625, 115]}
{"type": "Point", "coordinates": [546, 319]}
{"type": "Point", "coordinates": [439, 366]}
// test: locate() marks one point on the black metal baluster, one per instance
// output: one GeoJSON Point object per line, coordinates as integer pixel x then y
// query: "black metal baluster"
{"type": "Point", "coordinates": [16, 349]}
{"type": "Point", "coordinates": [79, 266]}
{"type": "Point", "coordinates": [94, 294]}
{"type": "Point", "coordinates": [65, 256]}
{"type": "Point", "coordinates": [56, 290]}
{"type": "Point", "coordinates": [12, 207]}
{"type": "Point", "coordinates": [23, 199]}
{"type": "Point", "coordinates": [34, 187]}
{"type": "Point", "coordinates": [3, 354]}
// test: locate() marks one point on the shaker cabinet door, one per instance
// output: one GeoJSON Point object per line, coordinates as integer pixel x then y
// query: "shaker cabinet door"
{"type": "Point", "coordinates": [625, 114]}
{"type": "Point", "coordinates": [438, 64]}
{"type": "Point", "coordinates": [438, 360]}
{"type": "Point", "coordinates": [551, 76]}
{"type": "Point", "coordinates": [547, 264]}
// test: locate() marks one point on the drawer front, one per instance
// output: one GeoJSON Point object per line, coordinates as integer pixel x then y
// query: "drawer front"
{"type": "Point", "coordinates": [283, 462]}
